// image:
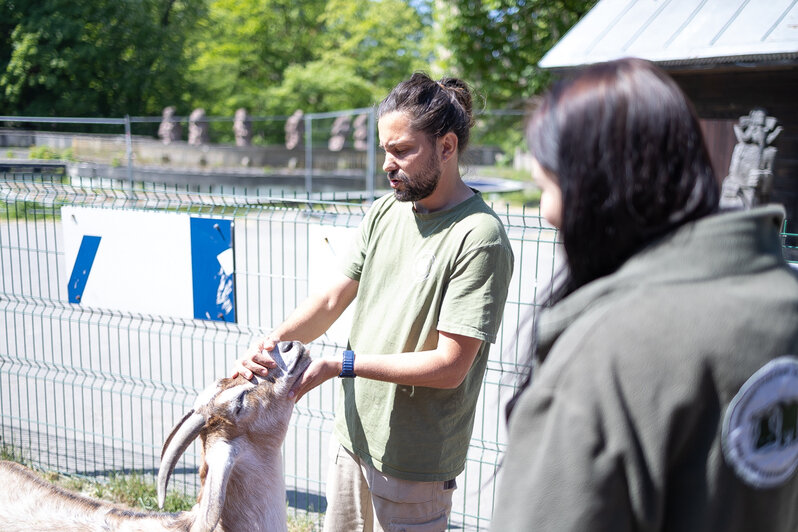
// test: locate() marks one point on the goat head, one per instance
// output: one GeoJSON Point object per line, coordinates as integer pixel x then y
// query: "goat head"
{"type": "Point", "coordinates": [232, 416]}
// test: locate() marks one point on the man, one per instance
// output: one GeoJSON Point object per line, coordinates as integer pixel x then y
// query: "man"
{"type": "Point", "coordinates": [431, 269]}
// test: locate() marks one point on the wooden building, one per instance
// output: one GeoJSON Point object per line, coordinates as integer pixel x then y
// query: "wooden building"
{"type": "Point", "coordinates": [729, 56]}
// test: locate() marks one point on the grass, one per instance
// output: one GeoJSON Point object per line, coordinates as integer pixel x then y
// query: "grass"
{"type": "Point", "coordinates": [23, 210]}
{"type": "Point", "coordinates": [303, 523]}
{"type": "Point", "coordinates": [505, 172]}
{"type": "Point", "coordinates": [529, 196]}
{"type": "Point", "coordinates": [46, 153]}
{"type": "Point", "coordinates": [10, 453]}
{"type": "Point", "coordinates": [133, 491]}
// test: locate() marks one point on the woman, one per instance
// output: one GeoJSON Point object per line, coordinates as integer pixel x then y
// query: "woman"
{"type": "Point", "coordinates": [664, 394]}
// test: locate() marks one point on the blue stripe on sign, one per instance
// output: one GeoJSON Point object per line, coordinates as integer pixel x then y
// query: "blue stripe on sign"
{"type": "Point", "coordinates": [82, 267]}
{"type": "Point", "coordinates": [213, 287]}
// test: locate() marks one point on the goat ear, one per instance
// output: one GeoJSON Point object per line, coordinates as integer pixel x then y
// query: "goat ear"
{"type": "Point", "coordinates": [220, 458]}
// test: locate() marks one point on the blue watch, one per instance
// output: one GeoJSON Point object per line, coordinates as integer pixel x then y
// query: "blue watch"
{"type": "Point", "coordinates": [348, 365]}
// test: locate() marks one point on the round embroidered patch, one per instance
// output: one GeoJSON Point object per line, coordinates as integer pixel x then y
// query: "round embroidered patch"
{"type": "Point", "coordinates": [760, 427]}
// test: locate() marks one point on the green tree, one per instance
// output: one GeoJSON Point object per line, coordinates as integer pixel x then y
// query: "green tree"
{"type": "Point", "coordinates": [9, 17]}
{"type": "Point", "coordinates": [384, 41]}
{"type": "Point", "coordinates": [274, 56]}
{"type": "Point", "coordinates": [496, 44]}
{"type": "Point", "coordinates": [243, 48]}
{"type": "Point", "coordinates": [94, 57]}
{"type": "Point", "coordinates": [116, 57]}
{"type": "Point", "coordinates": [319, 86]}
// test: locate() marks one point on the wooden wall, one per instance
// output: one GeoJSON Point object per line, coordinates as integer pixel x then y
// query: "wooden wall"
{"type": "Point", "coordinates": [720, 140]}
{"type": "Point", "coordinates": [722, 96]}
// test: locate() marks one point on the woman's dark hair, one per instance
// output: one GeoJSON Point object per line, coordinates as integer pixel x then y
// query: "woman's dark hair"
{"type": "Point", "coordinates": [434, 107]}
{"type": "Point", "coordinates": [625, 147]}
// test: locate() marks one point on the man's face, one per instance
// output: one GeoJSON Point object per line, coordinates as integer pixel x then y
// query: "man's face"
{"type": "Point", "coordinates": [411, 159]}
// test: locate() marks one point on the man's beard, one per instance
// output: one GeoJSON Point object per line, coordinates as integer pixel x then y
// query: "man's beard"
{"type": "Point", "coordinates": [419, 186]}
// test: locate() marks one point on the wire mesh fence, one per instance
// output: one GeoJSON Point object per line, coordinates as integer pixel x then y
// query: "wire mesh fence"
{"type": "Point", "coordinates": [92, 386]}
{"type": "Point", "coordinates": [302, 153]}
{"type": "Point", "coordinates": [312, 152]}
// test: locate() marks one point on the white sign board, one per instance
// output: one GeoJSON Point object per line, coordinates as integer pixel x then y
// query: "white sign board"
{"type": "Point", "coordinates": [141, 261]}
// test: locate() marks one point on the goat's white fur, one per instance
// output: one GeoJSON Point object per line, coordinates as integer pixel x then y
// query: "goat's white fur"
{"type": "Point", "coordinates": [242, 425]}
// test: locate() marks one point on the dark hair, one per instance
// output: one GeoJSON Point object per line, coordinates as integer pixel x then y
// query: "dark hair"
{"type": "Point", "coordinates": [625, 146]}
{"type": "Point", "coordinates": [434, 107]}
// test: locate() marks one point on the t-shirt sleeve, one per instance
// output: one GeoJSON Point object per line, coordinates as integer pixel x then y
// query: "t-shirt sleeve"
{"type": "Point", "coordinates": [476, 293]}
{"type": "Point", "coordinates": [352, 263]}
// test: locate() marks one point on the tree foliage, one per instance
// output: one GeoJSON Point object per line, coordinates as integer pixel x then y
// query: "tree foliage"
{"type": "Point", "coordinates": [274, 56]}
{"type": "Point", "coordinates": [384, 41]}
{"type": "Point", "coordinates": [243, 47]}
{"type": "Point", "coordinates": [497, 44]}
{"type": "Point", "coordinates": [117, 57]}
{"type": "Point", "coordinates": [320, 86]}
{"type": "Point", "coordinates": [92, 57]}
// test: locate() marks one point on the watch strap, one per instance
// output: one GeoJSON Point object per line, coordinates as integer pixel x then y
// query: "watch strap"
{"type": "Point", "coordinates": [348, 364]}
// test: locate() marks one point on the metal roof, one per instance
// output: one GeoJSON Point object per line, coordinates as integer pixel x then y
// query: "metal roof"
{"type": "Point", "coordinates": [681, 32]}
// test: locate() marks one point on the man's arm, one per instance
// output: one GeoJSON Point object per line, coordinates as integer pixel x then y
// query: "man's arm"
{"type": "Point", "coordinates": [444, 367]}
{"type": "Point", "coordinates": [306, 323]}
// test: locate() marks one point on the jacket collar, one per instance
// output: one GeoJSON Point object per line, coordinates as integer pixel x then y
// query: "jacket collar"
{"type": "Point", "coordinates": [731, 242]}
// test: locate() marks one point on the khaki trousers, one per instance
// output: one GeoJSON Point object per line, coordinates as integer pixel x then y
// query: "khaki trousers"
{"type": "Point", "coordinates": [362, 499]}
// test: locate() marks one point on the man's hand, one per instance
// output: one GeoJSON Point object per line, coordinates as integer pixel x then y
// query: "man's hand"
{"type": "Point", "coordinates": [320, 370]}
{"type": "Point", "coordinates": [256, 360]}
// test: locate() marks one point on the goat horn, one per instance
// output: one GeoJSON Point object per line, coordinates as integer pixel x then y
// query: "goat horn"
{"type": "Point", "coordinates": [185, 432]}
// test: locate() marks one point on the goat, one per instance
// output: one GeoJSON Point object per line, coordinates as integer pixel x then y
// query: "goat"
{"type": "Point", "coordinates": [242, 425]}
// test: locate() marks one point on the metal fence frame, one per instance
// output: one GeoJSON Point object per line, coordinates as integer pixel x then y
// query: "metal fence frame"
{"type": "Point", "coordinates": [127, 150]}
{"type": "Point", "coordinates": [313, 145]}
{"type": "Point", "coordinates": [90, 391]}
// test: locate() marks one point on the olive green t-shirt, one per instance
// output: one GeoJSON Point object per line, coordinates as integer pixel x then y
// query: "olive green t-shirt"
{"type": "Point", "coordinates": [419, 274]}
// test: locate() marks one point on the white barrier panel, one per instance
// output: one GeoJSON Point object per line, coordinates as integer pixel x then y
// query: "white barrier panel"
{"type": "Point", "coordinates": [146, 262]}
{"type": "Point", "coordinates": [329, 246]}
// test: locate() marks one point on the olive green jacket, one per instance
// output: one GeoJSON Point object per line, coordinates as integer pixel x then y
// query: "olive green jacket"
{"type": "Point", "coordinates": [667, 395]}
